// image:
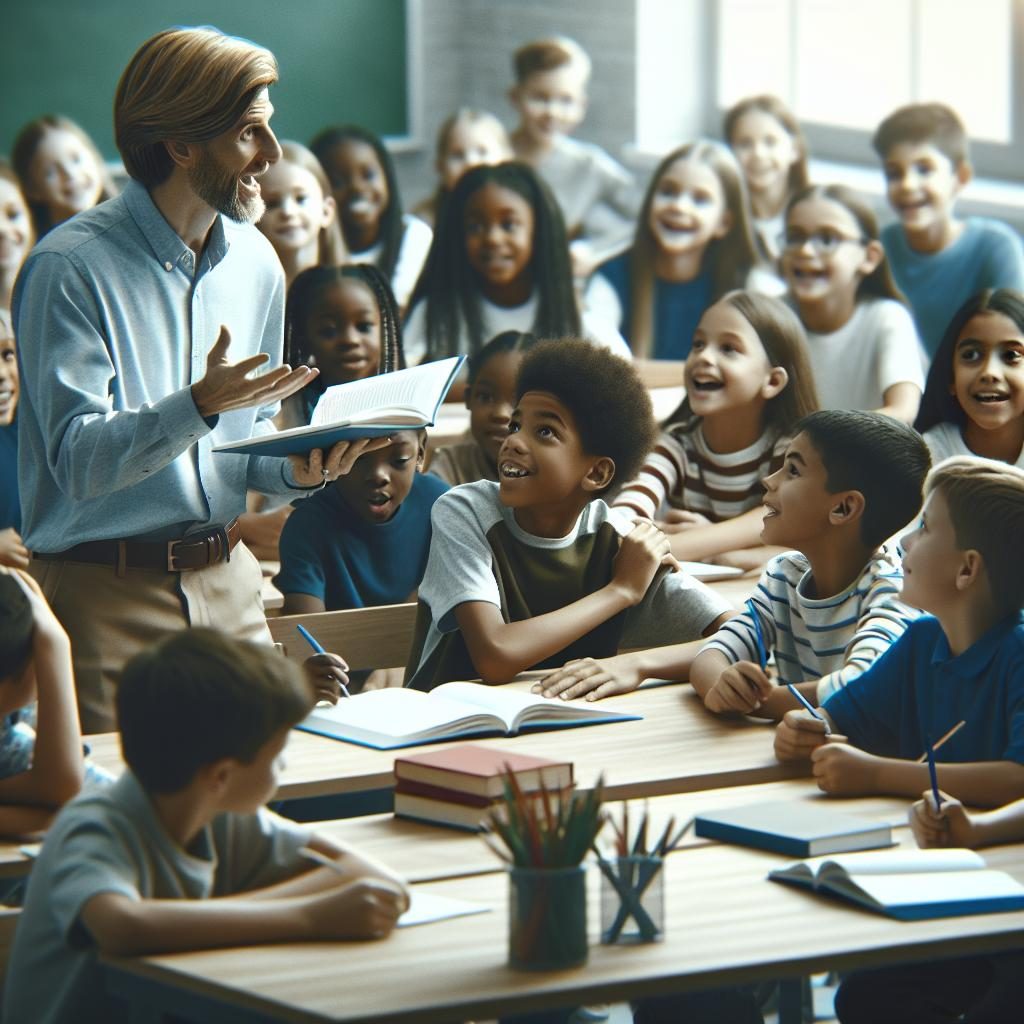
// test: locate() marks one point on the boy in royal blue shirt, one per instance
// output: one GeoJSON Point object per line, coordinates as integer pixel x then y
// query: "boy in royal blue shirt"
{"type": "Point", "coordinates": [938, 260]}
{"type": "Point", "coordinates": [363, 540]}
{"type": "Point", "coordinates": [963, 662]}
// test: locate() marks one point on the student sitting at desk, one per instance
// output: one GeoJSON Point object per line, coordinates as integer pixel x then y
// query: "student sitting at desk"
{"type": "Point", "coordinates": [536, 569]}
{"type": "Point", "coordinates": [826, 610]}
{"type": "Point", "coordinates": [963, 663]}
{"type": "Point", "coordinates": [147, 865]}
{"type": "Point", "coordinates": [979, 989]}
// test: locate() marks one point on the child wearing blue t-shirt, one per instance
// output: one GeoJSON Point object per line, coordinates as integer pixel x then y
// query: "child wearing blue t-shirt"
{"type": "Point", "coordinates": [937, 260]}
{"type": "Point", "coordinates": [363, 540]}
{"type": "Point", "coordinates": [962, 663]}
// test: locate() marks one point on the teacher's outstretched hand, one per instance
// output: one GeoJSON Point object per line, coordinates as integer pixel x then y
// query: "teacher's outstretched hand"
{"type": "Point", "coordinates": [228, 386]}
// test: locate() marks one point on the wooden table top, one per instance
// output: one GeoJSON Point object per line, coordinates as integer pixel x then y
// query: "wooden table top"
{"type": "Point", "coordinates": [725, 924]}
{"type": "Point", "coordinates": [678, 746]}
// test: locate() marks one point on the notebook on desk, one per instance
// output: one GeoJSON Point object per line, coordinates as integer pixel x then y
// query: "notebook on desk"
{"type": "Point", "coordinates": [910, 885]}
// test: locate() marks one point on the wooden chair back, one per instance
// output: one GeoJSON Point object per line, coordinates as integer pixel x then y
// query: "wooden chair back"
{"type": "Point", "coordinates": [366, 638]}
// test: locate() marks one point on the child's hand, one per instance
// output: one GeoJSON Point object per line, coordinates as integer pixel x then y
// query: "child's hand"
{"type": "Point", "coordinates": [843, 770]}
{"type": "Point", "coordinates": [799, 734]}
{"type": "Point", "coordinates": [641, 554]}
{"type": "Point", "coordinates": [591, 678]}
{"type": "Point", "coordinates": [383, 678]}
{"type": "Point", "coordinates": [950, 825]}
{"type": "Point", "coordinates": [12, 551]}
{"type": "Point", "coordinates": [326, 674]}
{"type": "Point", "coordinates": [364, 909]}
{"type": "Point", "coordinates": [678, 520]}
{"type": "Point", "coordinates": [742, 687]}
{"type": "Point", "coordinates": [47, 627]}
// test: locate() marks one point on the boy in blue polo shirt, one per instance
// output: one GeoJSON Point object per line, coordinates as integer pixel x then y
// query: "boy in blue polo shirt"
{"type": "Point", "coordinates": [963, 662]}
{"type": "Point", "coordinates": [938, 260]}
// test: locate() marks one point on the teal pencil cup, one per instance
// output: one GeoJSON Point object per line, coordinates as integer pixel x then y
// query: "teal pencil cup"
{"type": "Point", "coordinates": [547, 924]}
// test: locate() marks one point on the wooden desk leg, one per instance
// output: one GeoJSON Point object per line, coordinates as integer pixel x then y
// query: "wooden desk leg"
{"type": "Point", "coordinates": [791, 1001]}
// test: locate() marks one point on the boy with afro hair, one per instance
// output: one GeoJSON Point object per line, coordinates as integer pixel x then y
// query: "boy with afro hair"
{"type": "Point", "coordinates": [535, 569]}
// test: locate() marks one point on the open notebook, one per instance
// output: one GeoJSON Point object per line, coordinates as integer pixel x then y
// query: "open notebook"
{"type": "Point", "coordinates": [397, 717]}
{"type": "Point", "coordinates": [374, 407]}
{"type": "Point", "coordinates": [910, 885]}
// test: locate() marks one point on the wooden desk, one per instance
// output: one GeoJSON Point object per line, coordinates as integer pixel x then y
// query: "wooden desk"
{"type": "Point", "coordinates": [677, 747]}
{"type": "Point", "coordinates": [725, 924]}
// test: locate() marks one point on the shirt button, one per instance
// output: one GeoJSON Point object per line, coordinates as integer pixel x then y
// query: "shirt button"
{"type": "Point", "coordinates": [168, 265]}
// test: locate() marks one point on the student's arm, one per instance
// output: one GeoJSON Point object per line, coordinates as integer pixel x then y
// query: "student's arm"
{"type": "Point", "coordinates": [843, 770]}
{"type": "Point", "coordinates": [57, 770]}
{"type": "Point", "coordinates": [363, 909]}
{"type": "Point", "coordinates": [302, 604]}
{"type": "Point", "coordinates": [500, 650]}
{"type": "Point", "coordinates": [901, 401]}
{"type": "Point", "coordinates": [694, 543]}
{"type": "Point", "coordinates": [952, 825]}
{"type": "Point", "coordinates": [13, 552]}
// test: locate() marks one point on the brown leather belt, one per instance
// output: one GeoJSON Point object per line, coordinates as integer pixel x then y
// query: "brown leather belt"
{"type": "Point", "coordinates": [193, 552]}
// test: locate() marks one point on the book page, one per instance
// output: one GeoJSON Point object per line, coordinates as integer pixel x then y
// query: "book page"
{"type": "Point", "coordinates": [427, 907]}
{"type": "Point", "coordinates": [416, 391]}
{"type": "Point", "coordinates": [396, 712]}
{"type": "Point", "coordinates": [930, 887]}
{"type": "Point", "coordinates": [901, 862]}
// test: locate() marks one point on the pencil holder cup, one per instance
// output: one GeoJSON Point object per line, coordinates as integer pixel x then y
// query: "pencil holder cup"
{"type": "Point", "coordinates": [632, 900]}
{"type": "Point", "coordinates": [547, 924]}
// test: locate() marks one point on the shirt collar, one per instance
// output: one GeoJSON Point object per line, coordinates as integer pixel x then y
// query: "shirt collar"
{"type": "Point", "coordinates": [167, 247]}
{"type": "Point", "coordinates": [973, 662]}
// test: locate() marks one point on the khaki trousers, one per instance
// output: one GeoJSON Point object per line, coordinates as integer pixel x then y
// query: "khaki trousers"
{"type": "Point", "coordinates": [110, 618]}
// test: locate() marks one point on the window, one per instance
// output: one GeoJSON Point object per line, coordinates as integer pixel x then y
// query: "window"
{"type": "Point", "coordinates": [841, 67]}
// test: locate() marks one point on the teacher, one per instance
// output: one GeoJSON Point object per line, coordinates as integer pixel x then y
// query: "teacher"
{"type": "Point", "coordinates": [126, 317]}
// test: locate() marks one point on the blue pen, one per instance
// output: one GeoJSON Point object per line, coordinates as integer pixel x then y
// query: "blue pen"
{"type": "Point", "coordinates": [762, 651]}
{"type": "Point", "coordinates": [315, 644]}
{"type": "Point", "coordinates": [929, 751]}
{"type": "Point", "coordinates": [810, 707]}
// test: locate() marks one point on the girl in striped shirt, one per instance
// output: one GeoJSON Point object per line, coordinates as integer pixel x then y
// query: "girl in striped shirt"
{"type": "Point", "coordinates": [748, 380]}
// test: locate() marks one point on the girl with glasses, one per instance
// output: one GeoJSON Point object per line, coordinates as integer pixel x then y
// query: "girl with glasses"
{"type": "Point", "coordinates": [862, 341]}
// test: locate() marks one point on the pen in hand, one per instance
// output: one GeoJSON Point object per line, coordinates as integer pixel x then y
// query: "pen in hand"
{"type": "Point", "coordinates": [762, 651]}
{"type": "Point", "coordinates": [929, 753]}
{"type": "Point", "coordinates": [315, 644]}
{"type": "Point", "coordinates": [809, 706]}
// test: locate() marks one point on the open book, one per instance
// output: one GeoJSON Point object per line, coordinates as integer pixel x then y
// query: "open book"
{"type": "Point", "coordinates": [397, 717]}
{"type": "Point", "coordinates": [373, 407]}
{"type": "Point", "coordinates": [911, 885]}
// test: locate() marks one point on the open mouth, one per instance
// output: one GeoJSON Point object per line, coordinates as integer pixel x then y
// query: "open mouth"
{"type": "Point", "coordinates": [510, 471]}
{"type": "Point", "coordinates": [707, 385]}
{"type": "Point", "coordinates": [990, 397]}
{"type": "Point", "coordinates": [360, 205]}
{"type": "Point", "coordinates": [769, 510]}
{"type": "Point", "coordinates": [250, 184]}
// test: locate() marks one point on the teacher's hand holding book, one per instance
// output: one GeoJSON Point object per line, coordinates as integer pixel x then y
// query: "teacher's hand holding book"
{"type": "Point", "coordinates": [314, 468]}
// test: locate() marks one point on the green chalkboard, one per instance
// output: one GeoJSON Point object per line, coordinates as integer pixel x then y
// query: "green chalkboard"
{"type": "Point", "coordinates": [340, 60]}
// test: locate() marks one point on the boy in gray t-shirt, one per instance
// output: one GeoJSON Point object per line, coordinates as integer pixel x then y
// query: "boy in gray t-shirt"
{"type": "Point", "coordinates": [535, 570]}
{"type": "Point", "coordinates": [133, 869]}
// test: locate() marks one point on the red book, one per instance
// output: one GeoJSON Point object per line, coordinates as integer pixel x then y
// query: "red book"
{"type": "Point", "coordinates": [478, 770]}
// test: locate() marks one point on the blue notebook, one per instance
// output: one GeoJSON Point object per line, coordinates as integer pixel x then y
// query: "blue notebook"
{"type": "Point", "coordinates": [374, 407]}
{"type": "Point", "coordinates": [794, 828]}
{"type": "Point", "coordinates": [911, 885]}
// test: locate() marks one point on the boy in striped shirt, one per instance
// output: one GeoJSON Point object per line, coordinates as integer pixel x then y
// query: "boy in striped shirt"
{"type": "Point", "coordinates": [828, 609]}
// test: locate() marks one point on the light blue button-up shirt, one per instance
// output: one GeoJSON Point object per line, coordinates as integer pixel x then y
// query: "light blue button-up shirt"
{"type": "Point", "coordinates": [114, 324]}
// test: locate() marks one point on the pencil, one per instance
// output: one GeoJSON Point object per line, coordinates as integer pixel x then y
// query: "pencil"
{"type": "Point", "coordinates": [762, 651]}
{"type": "Point", "coordinates": [809, 706]}
{"type": "Point", "coordinates": [315, 644]}
{"type": "Point", "coordinates": [929, 751]}
{"type": "Point", "coordinates": [943, 739]}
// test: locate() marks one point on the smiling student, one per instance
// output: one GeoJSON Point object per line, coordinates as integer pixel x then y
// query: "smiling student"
{"type": "Point", "coordinates": [964, 661]}
{"type": "Point", "coordinates": [938, 260]}
{"type": "Point", "coordinates": [536, 569]}
{"type": "Point", "coordinates": [973, 401]}
{"type": "Point", "coordinates": [499, 262]}
{"type": "Point", "coordinates": [827, 609]}
{"type": "Point", "coordinates": [365, 188]}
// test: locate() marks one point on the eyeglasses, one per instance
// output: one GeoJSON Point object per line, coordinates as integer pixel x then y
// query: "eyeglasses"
{"type": "Point", "coordinates": [824, 243]}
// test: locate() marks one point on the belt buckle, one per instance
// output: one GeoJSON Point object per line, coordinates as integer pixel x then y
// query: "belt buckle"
{"type": "Point", "coordinates": [172, 558]}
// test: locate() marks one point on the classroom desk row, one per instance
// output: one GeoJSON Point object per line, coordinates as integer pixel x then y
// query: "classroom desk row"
{"type": "Point", "coordinates": [725, 924]}
{"type": "Point", "coordinates": [677, 746]}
